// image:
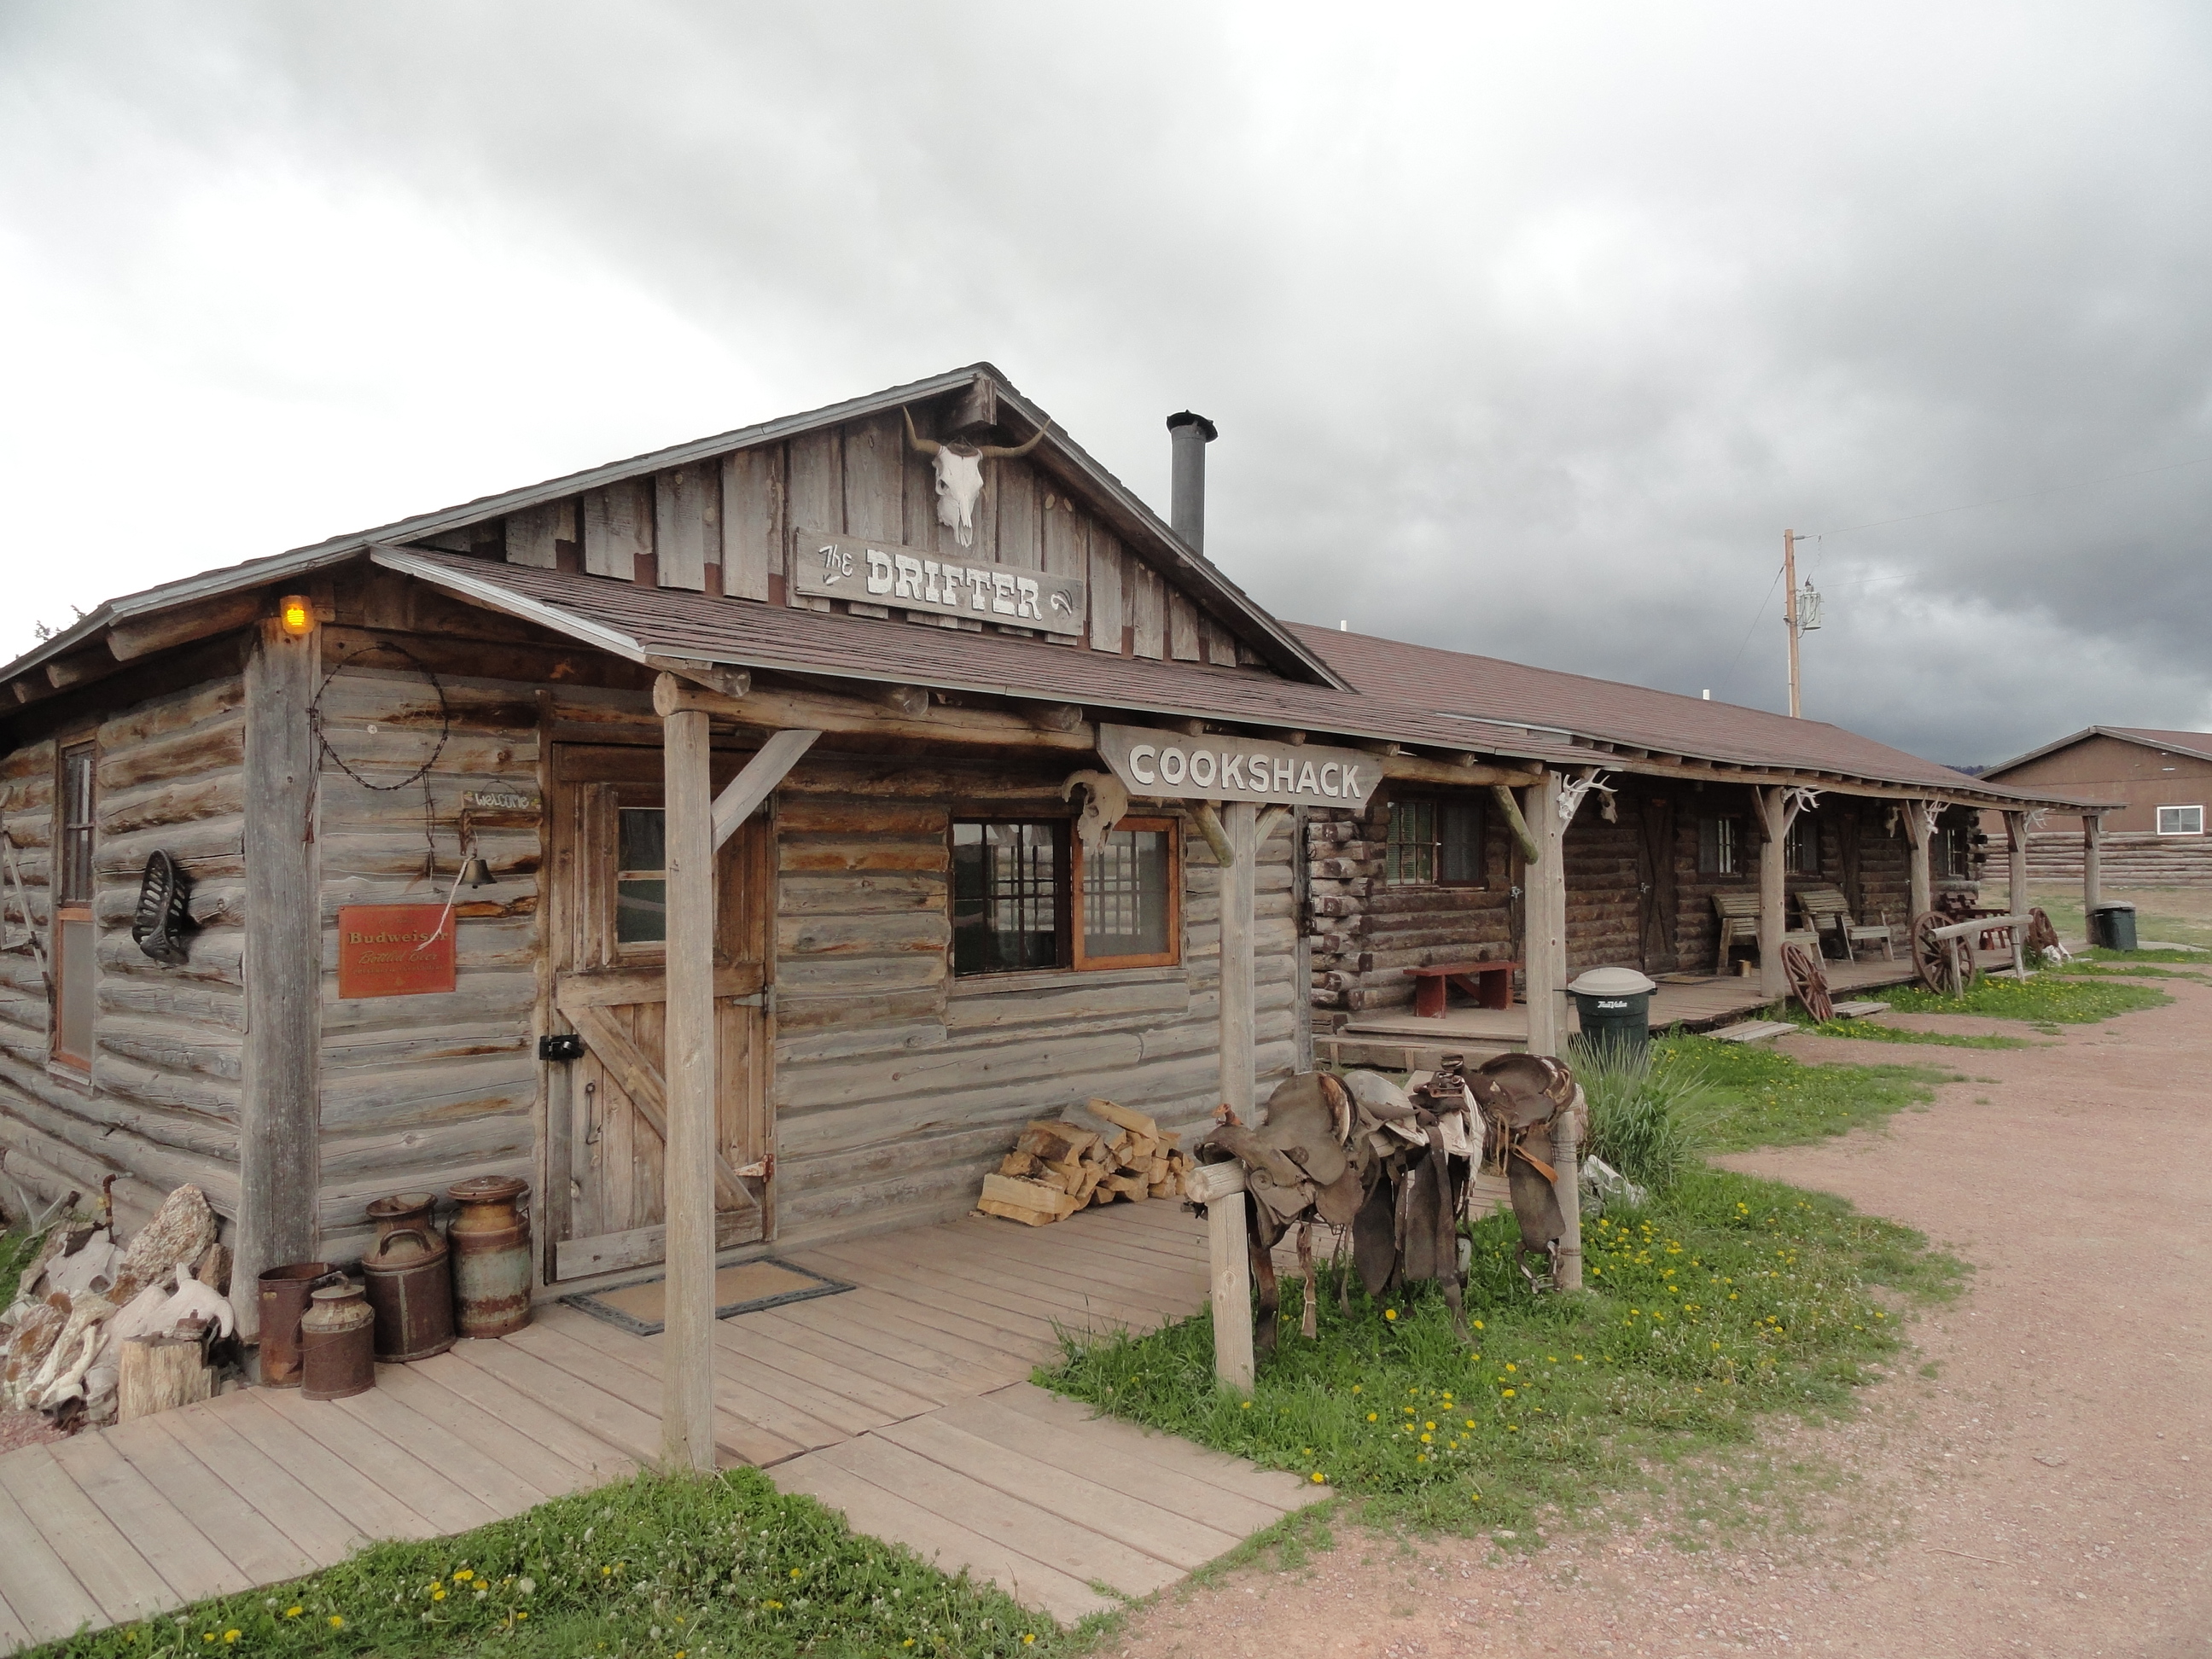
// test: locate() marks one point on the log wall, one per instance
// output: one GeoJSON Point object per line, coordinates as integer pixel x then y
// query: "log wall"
{"type": "Point", "coordinates": [162, 1104]}
{"type": "Point", "coordinates": [1362, 932]}
{"type": "Point", "coordinates": [2139, 859]}
{"type": "Point", "coordinates": [897, 1087]}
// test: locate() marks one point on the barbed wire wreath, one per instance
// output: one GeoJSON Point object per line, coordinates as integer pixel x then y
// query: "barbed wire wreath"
{"type": "Point", "coordinates": [421, 773]}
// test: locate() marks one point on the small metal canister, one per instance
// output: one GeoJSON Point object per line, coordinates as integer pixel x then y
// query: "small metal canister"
{"type": "Point", "coordinates": [491, 1256]}
{"type": "Point", "coordinates": [409, 1280]}
{"type": "Point", "coordinates": [335, 1344]}
{"type": "Point", "coordinates": [284, 1300]}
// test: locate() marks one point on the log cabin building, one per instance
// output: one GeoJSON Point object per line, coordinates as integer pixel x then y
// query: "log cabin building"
{"type": "Point", "coordinates": [697, 838]}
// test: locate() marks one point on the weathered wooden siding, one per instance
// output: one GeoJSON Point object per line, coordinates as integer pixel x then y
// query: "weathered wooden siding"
{"type": "Point", "coordinates": [420, 1091]}
{"type": "Point", "coordinates": [162, 1107]}
{"type": "Point", "coordinates": [725, 526]}
{"type": "Point", "coordinates": [897, 1088]}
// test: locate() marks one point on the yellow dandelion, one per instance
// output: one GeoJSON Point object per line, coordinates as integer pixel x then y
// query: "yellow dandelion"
{"type": "Point", "coordinates": [1318, 1481]}
{"type": "Point", "coordinates": [1370, 1417]}
{"type": "Point", "coordinates": [795, 1572]}
{"type": "Point", "coordinates": [1389, 1313]}
{"type": "Point", "coordinates": [337, 1623]}
{"type": "Point", "coordinates": [437, 1595]}
{"type": "Point", "coordinates": [1028, 1637]}
{"type": "Point", "coordinates": [1426, 1439]}
{"type": "Point", "coordinates": [463, 1576]}
{"type": "Point", "coordinates": [1247, 1405]}
{"type": "Point", "coordinates": [1509, 1394]}
{"type": "Point", "coordinates": [292, 1613]}
{"type": "Point", "coordinates": [230, 1635]}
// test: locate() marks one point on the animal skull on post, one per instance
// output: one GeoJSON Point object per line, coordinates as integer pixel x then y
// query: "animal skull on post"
{"type": "Point", "coordinates": [960, 474]}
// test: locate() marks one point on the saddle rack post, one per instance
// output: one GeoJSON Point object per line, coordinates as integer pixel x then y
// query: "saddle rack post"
{"type": "Point", "coordinates": [1221, 1188]}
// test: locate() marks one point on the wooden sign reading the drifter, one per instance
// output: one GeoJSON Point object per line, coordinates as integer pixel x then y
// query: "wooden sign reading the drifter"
{"type": "Point", "coordinates": [883, 572]}
{"type": "Point", "coordinates": [394, 950]}
{"type": "Point", "coordinates": [1167, 766]}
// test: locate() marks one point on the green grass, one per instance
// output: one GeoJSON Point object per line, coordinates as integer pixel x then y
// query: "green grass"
{"type": "Point", "coordinates": [18, 1248]}
{"type": "Point", "coordinates": [1760, 1097]}
{"type": "Point", "coordinates": [709, 1565]}
{"type": "Point", "coordinates": [1725, 1300]}
{"type": "Point", "coordinates": [2178, 914]}
{"type": "Point", "coordinates": [1646, 1120]}
{"type": "Point", "coordinates": [2045, 999]}
{"type": "Point", "coordinates": [1867, 1031]}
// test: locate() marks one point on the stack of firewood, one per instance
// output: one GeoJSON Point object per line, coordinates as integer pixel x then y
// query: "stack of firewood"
{"type": "Point", "coordinates": [1059, 1166]}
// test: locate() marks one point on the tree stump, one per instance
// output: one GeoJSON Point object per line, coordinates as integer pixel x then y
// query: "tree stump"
{"type": "Point", "coordinates": [158, 1373]}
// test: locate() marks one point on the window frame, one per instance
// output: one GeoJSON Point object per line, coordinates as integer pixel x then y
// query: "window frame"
{"type": "Point", "coordinates": [1081, 960]}
{"type": "Point", "coordinates": [75, 847]}
{"type": "Point", "coordinates": [1732, 864]}
{"type": "Point", "coordinates": [2160, 819]}
{"type": "Point", "coordinates": [1801, 839]}
{"type": "Point", "coordinates": [1437, 805]}
{"type": "Point", "coordinates": [1069, 912]}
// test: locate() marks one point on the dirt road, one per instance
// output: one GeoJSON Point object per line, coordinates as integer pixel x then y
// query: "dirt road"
{"type": "Point", "coordinates": [2045, 1492]}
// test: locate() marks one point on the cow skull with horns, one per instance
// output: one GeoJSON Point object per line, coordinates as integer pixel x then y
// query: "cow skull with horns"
{"type": "Point", "coordinates": [960, 475]}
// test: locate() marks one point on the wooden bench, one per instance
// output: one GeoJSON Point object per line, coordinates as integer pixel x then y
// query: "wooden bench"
{"type": "Point", "coordinates": [1490, 983]}
{"type": "Point", "coordinates": [1739, 918]}
{"type": "Point", "coordinates": [1825, 908]}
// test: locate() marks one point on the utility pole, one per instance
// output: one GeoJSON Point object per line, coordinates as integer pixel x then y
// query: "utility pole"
{"type": "Point", "coordinates": [1789, 609]}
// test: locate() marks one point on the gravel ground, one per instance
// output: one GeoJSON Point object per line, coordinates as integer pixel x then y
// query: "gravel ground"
{"type": "Point", "coordinates": [2044, 1492]}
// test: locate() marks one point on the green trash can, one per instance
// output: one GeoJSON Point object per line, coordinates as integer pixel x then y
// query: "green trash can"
{"type": "Point", "coordinates": [1615, 1008]}
{"type": "Point", "coordinates": [2112, 926]}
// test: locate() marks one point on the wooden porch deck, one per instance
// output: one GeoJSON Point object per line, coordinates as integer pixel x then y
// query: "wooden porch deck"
{"type": "Point", "coordinates": [903, 1402]}
{"type": "Point", "coordinates": [1698, 1005]}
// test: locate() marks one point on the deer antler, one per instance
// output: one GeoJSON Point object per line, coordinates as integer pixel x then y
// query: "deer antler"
{"type": "Point", "coordinates": [924, 446]}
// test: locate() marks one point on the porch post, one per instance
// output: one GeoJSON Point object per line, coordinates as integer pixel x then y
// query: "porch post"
{"type": "Point", "coordinates": [2016, 825]}
{"type": "Point", "coordinates": [687, 1384]}
{"type": "Point", "coordinates": [1239, 883]}
{"type": "Point", "coordinates": [1917, 835]}
{"type": "Point", "coordinates": [2093, 865]}
{"type": "Point", "coordinates": [280, 1112]}
{"type": "Point", "coordinates": [1773, 892]}
{"type": "Point", "coordinates": [1544, 944]}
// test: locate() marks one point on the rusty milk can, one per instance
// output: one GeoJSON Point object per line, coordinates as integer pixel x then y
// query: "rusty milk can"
{"type": "Point", "coordinates": [336, 1358]}
{"type": "Point", "coordinates": [284, 1299]}
{"type": "Point", "coordinates": [409, 1280]}
{"type": "Point", "coordinates": [491, 1256]}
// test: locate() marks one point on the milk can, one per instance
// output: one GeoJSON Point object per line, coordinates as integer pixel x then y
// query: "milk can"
{"type": "Point", "coordinates": [284, 1300]}
{"type": "Point", "coordinates": [491, 1256]}
{"type": "Point", "coordinates": [336, 1338]}
{"type": "Point", "coordinates": [409, 1280]}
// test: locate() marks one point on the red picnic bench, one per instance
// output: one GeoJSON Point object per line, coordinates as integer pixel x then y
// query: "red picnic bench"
{"type": "Point", "coordinates": [1490, 983]}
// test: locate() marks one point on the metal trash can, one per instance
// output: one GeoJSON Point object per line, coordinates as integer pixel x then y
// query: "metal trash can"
{"type": "Point", "coordinates": [1615, 1008]}
{"type": "Point", "coordinates": [2112, 925]}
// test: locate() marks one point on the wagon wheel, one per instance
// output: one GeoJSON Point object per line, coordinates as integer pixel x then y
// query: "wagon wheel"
{"type": "Point", "coordinates": [1808, 982]}
{"type": "Point", "coordinates": [1930, 959]}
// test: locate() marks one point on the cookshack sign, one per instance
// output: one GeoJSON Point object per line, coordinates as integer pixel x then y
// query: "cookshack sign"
{"type": "Point", "coordinates": [880, 572]}
{"type": "Point", "coordinates": [1167, 766]}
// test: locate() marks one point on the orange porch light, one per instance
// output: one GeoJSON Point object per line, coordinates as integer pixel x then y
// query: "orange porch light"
{"type": "Point", "coordinates": [296, 615]}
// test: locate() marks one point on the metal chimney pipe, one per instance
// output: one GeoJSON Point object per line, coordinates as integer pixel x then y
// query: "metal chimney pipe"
{"type": "Point", "coordinates": [1191, 435]}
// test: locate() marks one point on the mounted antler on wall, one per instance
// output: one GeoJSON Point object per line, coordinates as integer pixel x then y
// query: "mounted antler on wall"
{"type": "Point", "coordinates": [960, 474]}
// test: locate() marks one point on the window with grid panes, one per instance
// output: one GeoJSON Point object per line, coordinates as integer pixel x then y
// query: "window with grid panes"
{"type": "Point", "coordinates": [1127, 890]}
{"type": "Point", "coordinates": [76, 981]}
{"type": "Point", "coordinates": [1801, 847]}
{"type": "Point", "coordinates": [1718, 844]}
{"type": "Point", "coordinates": [1009, 896]}
{"type": "Point", "coordinates": [1433, 843]}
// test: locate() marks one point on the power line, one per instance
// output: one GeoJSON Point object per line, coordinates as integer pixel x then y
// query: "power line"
{"type": "Point", "coordinates": [2001, 500]}
{"type": "Point", "coordinates": [1728, 677]}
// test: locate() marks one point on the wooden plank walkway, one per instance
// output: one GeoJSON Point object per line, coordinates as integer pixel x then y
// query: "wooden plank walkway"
{"type": "Point", "coordinates": [903, 1402]}
{"type": "Point", "coordinates": [1398, 1037]}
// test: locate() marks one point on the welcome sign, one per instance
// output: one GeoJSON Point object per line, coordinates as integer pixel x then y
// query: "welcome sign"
{"type": "Point", "coordinates": [883, 573]}
{"type": "Point", "coordinates": [1167, 766]}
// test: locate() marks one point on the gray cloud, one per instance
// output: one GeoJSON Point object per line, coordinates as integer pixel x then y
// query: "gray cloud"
{"type": "Point", "coordinates": [1527, 333]}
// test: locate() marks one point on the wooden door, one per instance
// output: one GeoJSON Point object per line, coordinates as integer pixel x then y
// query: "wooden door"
{"type": "Point", "coordinates": [606, 1119]}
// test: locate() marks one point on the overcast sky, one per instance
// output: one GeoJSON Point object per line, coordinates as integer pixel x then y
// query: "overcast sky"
{"type": "Point", "coordinates": [1529, 330]}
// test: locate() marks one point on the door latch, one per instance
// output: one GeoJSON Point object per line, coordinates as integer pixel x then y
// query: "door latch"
{"type": "Point", "coordinates": [561, 1045]}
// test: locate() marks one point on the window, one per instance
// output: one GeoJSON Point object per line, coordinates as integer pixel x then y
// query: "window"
{"type": "Point", "coordinates": [642, 876]}
{"type": "Point", "coordinates": [1434, 843]}
{"type": "Point", "coordinates": [2180, 820]}
{"type": "Point", "coordinates": [1009, 896]}
{"type": "Point", "coordinates": [1949, 857]}
{"type": "Point", "coordinates": [1801, 847]}
{"type": "Point", "coordinates": [76, 981]}
{"type": "Point", "coordinates": [1027, 895]}
{"type": "Point", "coordinates": [1128, 898]}
{"type": "Point", "coordinates": [1717, 847]}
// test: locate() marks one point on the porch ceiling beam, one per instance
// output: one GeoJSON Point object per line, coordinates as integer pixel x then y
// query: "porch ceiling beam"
{"type": "Point", "coordinates": [910, 701]}
{"type": "Point", "coordinates": [744, 793]}
{"type": "Point", "coordinates": [1419, 768]}
{"type": "Point", "coordinates": [777, 709]}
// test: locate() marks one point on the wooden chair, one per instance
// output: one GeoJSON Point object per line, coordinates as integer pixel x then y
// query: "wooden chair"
{"type": "Point", "coordinates": [1825, 907]}
{"type": "Point", "coordinates": [1738, 911]}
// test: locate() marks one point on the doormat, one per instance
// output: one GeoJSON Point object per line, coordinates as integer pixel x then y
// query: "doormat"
{"type": "Point", "coordinates": [765, 1282]}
